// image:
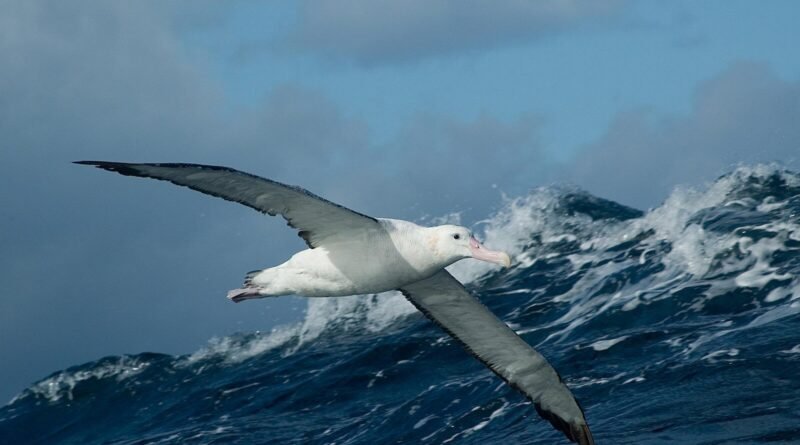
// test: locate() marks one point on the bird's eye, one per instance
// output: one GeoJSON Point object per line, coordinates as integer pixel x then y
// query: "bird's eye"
{"type": "Point", "coordinates": [456, 236]}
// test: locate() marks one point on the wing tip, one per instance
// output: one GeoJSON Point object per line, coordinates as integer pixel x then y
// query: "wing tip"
{"type": "Point", "coordinates": [130, 168]}
{"type": "Point", "coordinates": [581, 434]}
{"type": "Point", "coordinates": [100, 164]}
{"type": "Point", "coordinates": [123, 168]}
{"type": "Point", "coordinates": [94, 163]}
{"type": "Point", "coordinates": [576, 431]}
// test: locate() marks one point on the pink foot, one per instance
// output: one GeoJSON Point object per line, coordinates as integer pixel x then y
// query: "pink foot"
{"type": "Point", "coordinates": [237, 295]}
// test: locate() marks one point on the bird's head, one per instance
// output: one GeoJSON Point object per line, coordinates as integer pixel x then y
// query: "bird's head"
{"type": "Point", "coordinates": [453, 243]}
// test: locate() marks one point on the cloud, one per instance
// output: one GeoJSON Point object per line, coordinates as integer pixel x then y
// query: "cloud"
{"type": "Point", "coordinates": [746, 114]}
{"type": "Point", "coordinates": [111, 68]}
{"type": "Point", "coordinates": [468, 163]}
{"type": "Point", "coordinates": [85, 80]}
{"type": "Point", "coordinates": [87, 260]}
{"type": "Point", "coordinates": [380, 32]}
{"type": "Point", "coordinates": [295, 127]}
{"type": "Point", "coordinates": [95, 264]}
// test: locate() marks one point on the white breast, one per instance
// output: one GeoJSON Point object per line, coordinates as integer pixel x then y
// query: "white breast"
{"type": "Point", "coordinates": [371, 262]}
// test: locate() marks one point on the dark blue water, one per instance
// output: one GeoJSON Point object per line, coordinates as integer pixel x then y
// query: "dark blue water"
{"type": "Point", "coordinates": [680, 325]}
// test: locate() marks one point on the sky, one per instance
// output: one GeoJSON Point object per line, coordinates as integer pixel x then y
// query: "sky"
{"type": "Point", "coordinates": [412, 109]}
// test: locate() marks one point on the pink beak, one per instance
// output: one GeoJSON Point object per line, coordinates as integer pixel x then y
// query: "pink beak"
{"type": "Point", "coordinates": [481, 253]}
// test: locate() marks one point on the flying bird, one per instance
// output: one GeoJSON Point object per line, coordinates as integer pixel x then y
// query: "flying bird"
{"type": "Point", "coordinates": [350, 253]}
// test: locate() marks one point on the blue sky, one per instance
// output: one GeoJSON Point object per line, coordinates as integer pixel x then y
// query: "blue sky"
{"type": "Point", "coordinates": [396, 109]}
{"type": "Point", "coordinates": [650, 54]}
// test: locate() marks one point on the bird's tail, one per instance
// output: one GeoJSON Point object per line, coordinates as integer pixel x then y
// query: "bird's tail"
{"type": "Point", "coordinates": [249, 289]}
{"type": "Point", "coordinates": [237, 295]}
{"type": "Point", "coordinates": [248, 278]}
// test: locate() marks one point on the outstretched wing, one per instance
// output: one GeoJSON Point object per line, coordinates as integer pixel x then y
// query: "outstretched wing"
{"type": "Point", "coordinates": [445, 301]}
{"type": "Point", "coordinates": [316, 218]}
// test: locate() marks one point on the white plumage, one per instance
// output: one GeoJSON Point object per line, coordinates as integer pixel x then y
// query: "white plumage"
{"type": "Point", "coordinates": [372, 260]}
{"type": "Point", "coordinates": [377, 258]}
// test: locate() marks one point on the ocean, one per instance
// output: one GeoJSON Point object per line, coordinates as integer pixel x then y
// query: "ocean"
{"type": "Point", "coordinates": [676, 325]}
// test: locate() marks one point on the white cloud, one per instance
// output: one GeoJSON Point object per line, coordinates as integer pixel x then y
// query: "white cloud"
{"type": "Point", "coordinates": [373, 32]}
{"type": "Point", "coordinates": [746, 114]}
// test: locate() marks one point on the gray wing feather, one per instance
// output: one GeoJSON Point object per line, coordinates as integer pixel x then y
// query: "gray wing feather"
{"type": "Point", "coordinates": [316, 218]}
{"type": "Point", "coordinates": [445, 301]}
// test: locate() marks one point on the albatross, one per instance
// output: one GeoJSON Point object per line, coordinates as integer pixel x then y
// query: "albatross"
{"type": "Point", "coordinates": [350, 253]}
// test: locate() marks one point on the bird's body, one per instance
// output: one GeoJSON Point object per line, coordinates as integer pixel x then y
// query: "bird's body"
{"type": "Point", "coordinates": [350, 253]}
{"type": "Point", "coordinates": [399, 253]}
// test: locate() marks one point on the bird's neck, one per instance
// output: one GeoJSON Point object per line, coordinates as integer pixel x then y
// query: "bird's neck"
{"type": "Point", "coordinates": [418, 246]}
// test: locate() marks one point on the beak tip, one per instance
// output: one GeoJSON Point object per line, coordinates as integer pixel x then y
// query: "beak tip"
{"type": "Point", "coordinates": [492, 256]}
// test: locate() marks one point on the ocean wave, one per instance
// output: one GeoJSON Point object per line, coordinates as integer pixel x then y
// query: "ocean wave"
{"type": "Point", "coordinates": [61, 384]}
{"type": "Point", "coordinates": [683, 244]}
{"type": "Point", "coordinates": [698, 292]}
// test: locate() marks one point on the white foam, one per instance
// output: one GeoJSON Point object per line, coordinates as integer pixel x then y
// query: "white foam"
{"type": "Point", "coordinates": [771, 315]}
{"type": "Point", "coordinates": [233, 350]}
{"type": "Point", "coordinates": [722, 353]}
{"type": "Point", "coordinates": [602, 345]}
{"type": "Point", "coordinates": [423, 421]}
{"type": "Point", "coordinates": [239, 388]}
{"type": "Point", "coordinates": [62, 384]}
{"type": "Point", "coordinates": [373, 313]}
{"type": "Point", "coordinates": [636, 379]}
{"type": "Point", "coordinates": [481, 425]}
{"type": "Point", "coordinates": [588, 381]}
{"type": "Point", "coordinates": [495, 414]}
{"type": "Point", "coordinates": [794, 350]}
{"type": "Point", "coordinates": [378, 375]}
{"type": "Point", "coordinates": [692, 254]}
{"type": "Point", "coordinates": [761, 273]}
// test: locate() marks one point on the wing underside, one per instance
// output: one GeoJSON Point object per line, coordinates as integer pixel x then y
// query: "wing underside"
{"type": "Point", "coordinates": [445, 301]}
